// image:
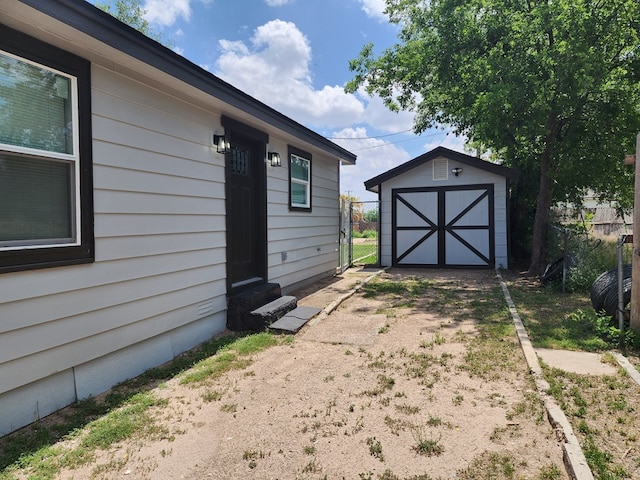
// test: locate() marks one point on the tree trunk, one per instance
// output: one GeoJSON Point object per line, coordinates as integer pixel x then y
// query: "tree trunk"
{"type": "Point", "coordinates": [543, 207]}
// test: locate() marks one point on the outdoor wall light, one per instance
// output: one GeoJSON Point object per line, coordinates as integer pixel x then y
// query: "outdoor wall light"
{"type": "Point", "coordinates": [222, 143]}
{"type": "Point", "coordinates": [456, 171]}
{"type": "Point", "coordinates": [274, 158]}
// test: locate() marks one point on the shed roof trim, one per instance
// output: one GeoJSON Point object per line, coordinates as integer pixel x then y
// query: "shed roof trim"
{"type": "Point", "coordinates": [92, 21]}
{"type": "Point", "coordinates": [475, 162]}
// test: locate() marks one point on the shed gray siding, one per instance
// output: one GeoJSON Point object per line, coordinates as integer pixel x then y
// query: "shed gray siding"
{"type": "Point", "coordinates": [421, 175]}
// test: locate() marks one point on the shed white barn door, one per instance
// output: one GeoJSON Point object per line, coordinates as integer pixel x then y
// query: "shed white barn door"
{"type": "Point", "coordinates": [443, 226]}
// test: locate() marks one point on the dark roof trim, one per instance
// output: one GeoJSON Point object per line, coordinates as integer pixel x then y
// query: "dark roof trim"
{"type": "Point", "coordinates": [92, 21]}
{"type": "Point", "coordinates": [440, 152]}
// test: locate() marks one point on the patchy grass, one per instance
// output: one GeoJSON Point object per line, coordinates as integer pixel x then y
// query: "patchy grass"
{"type": "Point", "coordinates": [71, 437]}
{"type": "Point", "coordinates": [603, 412]}
{"type": "Point", "coordinates": [365, 253]}
{"type": "Point", "coordinates": [601, 409]}
{"type": "Point", "coordinates": [231, 356]}
{"type": "Point", "coordinates": [551, 320]}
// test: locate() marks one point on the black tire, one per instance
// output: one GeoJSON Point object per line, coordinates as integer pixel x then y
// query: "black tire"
{"type": "Point", "coordinates": [610, 306]}
{"type": "Point", "coordinates": [553, 271]}
{"type": "Point", "coordinates": [603, 284]}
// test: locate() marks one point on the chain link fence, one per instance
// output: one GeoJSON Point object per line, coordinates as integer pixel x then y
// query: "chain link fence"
{"type": "Point", "coordinates": [359, 233]}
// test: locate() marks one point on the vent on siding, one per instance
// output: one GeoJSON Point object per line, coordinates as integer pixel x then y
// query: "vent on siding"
{"type": "Point", "coordinates": [206, 308]}
{"type": "Point", "coordinates": [440, 169]}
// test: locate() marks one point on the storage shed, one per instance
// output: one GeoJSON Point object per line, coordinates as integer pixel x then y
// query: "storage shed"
{"type": "Point", "coordinates": [444, 209]}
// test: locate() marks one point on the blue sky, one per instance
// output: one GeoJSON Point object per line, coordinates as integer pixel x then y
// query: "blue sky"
{"type": "Point", "coordinates": [294, 56]}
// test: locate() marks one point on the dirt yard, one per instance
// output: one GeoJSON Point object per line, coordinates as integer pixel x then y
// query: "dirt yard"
{"type": "Point", "coordinates": [389, 386]}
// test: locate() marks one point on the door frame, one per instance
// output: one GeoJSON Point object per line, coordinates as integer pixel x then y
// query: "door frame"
{"type": "Point", "coordinates": [439, 227]}
{"type": "Point", "coordinates": [241, 132]}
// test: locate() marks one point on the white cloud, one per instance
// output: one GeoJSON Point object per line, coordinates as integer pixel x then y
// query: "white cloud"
{"type": "Point", "coordinates": [451, 141]}
{"type": "Point", "coordinates": [378, 115]}
{"type": "Point", "coordinates": [274, 68]}
{"type": "Point", "coordinates": [375, 156]}
{"type": "Point", "coordinates": [277, 3]}
{"type": "Point", "coordinates": [374, 8]}
{"type": "Point", "coordinates": [166, 12]}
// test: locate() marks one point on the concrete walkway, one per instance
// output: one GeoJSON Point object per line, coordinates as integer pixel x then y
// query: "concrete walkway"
{"type": "Point", "coordinates": [584, 363]}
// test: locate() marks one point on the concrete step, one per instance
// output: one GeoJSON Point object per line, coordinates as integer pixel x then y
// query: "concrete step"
{"type": "Point", "coordinates": [295, 319]}
{"type": "Point", "coordinates": [267, 314]}
{"type": "Point", "coordinates": [240, 306]}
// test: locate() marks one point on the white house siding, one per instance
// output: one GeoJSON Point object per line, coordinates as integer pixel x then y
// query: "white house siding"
{"type": "Point", "coordinates": [422, 176]}
{"type": "Point", "coordinates": [157, 286]}
{"type": "Point", "coordinates": [302, 245]}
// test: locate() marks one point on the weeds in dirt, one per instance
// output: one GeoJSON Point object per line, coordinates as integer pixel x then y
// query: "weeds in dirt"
{"type": "Point", "coordinates": [384, 383]}
{"type": "Point", "coordinates": [397, 425]}
{"type": "Point", "coordinates": [603, 412]}
{"type": "Point", "coordinates": [375, 448]}
{"type": "Point", "coordinates": [407, 409]}
{"type": "Point", "coordinates": [426, 446]}
{"type": "Point", "coordinates": [312, 467]}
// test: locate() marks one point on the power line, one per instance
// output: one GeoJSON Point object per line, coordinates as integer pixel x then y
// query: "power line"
{"type": "Point", "coordinates": [399, 141]}
{"type": "Point", "coordinates": [369, 138]}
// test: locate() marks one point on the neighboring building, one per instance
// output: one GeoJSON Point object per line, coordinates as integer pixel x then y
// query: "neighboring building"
{"type": "Point", "coordinates": [444, 209]}
{"type": "Point", "coordinates": [122, 231]}
{"type": "Point", "coordinates": [602, 218]}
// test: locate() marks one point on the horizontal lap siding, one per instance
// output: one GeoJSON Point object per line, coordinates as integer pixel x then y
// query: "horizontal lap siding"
{"type": "Point", "coordinates": [160, 242]}
{"type": "Point", "coordinates": [309, 239]}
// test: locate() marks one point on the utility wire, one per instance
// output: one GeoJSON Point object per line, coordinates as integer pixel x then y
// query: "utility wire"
{"type": "Point", "coordinates": [399, 141]}
{"type": "Point", "coordinates": [368, 138]}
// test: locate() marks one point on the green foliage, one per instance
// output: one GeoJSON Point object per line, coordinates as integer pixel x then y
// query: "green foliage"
{"type": "Point", "coordinates": [549, 87]}
{"type": "Point", "coordinates": [365, 234]}
{"type": "Point", "coordinates": [370, 216]}
{"type": "Point", "coordinates": [590, 266]}
{"type": "Point", "coordinates": [132, 13]}
{"type": "Point", "coordinates": [604, 327]}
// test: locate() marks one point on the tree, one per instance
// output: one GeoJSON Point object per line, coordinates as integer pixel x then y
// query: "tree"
{"type": "Point", "coordinates": [552, 87]}
{"type": "Point", "coordinates": [132, 13]}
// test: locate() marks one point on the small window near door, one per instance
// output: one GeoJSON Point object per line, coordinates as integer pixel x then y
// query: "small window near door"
{"type": "Point", "coordinates": [299, 180]}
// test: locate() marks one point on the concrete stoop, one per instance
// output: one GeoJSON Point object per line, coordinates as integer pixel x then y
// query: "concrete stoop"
{"type": "Point", "coordinates": [240, 306]}
{"type": "Point", "coordinates": [295, 319]}
{"type": "Point", "coordinates": [263, 306]}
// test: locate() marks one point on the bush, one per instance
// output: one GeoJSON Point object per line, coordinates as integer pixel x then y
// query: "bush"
{"type": "Point", "coordinates": [605, 327]}
{"type": "Point", "coordinates": [591, 265]}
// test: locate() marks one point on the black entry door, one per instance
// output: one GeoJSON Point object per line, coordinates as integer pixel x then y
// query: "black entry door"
{"type": "Point", "coordinates": [246, 214]}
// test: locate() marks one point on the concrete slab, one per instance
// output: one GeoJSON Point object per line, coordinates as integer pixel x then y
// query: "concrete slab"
{"type": "Point", "coordinates": [346, 328]}
{"type": "Point", "coordinates": [295, 319]}
{"type": "Point", "coordinates": [584, 363]}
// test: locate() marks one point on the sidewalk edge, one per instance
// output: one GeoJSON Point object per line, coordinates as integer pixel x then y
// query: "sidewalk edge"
{"type": "Point", "coordinates": [574, 459]}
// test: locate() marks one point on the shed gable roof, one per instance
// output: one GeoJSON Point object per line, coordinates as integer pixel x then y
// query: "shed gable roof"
{"type": "Point", "coordinates": [86, 18]}
{"type": "Point", "coordinates": [475, 162]}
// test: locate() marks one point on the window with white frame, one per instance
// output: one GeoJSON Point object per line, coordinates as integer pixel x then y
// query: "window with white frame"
{"type": "Point", "coordinates": [299, 180]}
{"type": "Point", "coordinates": [46, 208]}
